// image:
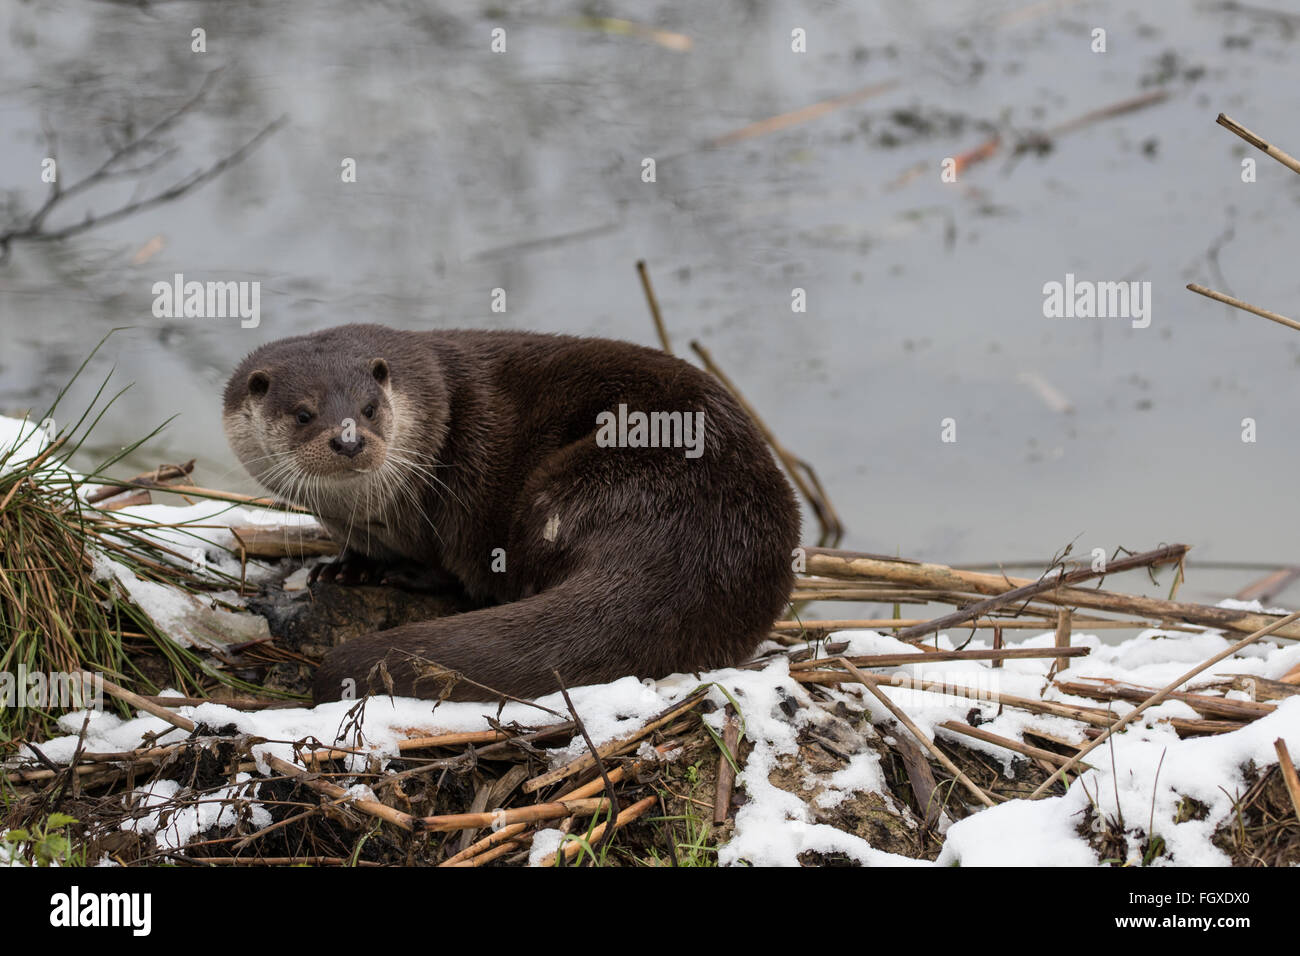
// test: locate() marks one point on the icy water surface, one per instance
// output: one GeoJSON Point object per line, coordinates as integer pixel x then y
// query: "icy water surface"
{"type": "Point", "coordinates": [522, 171]}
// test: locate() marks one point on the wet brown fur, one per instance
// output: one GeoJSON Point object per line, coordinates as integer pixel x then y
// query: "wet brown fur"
{"type": "Point", "coordinates": [618, 561]}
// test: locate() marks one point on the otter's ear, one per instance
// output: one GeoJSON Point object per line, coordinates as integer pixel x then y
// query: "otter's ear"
{"type": "Point", "coordinates": [379, 369]}
{"type": "Point", "coordinates": [258, 383]}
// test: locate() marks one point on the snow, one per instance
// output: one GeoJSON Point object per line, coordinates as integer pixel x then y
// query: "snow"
{"type": "Point", "coordinates": [1020, 833]}
{"type": "Point", "coordinates": [26, 437]}
{"type": "Point", "coordinates": [774, 827]}
{"type": "Point", "coordinates": [1142, 774]}
{"type": "Point", "coordinates": [217, 810]}
{"type": "Point", "coordinates": [545, 843]}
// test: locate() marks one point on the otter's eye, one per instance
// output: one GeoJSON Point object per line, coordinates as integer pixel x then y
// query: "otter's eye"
{"type": "Point", "coordinates": [368, 411]}
{"type": "Point", "coordinates": [304, 417]}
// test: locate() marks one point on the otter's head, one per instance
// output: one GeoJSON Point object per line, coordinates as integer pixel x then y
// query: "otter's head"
{"type": "Point", "coordinates": [316, 419]}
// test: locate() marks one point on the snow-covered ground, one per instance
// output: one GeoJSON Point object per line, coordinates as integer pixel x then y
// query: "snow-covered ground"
{"type": "Point", "coordinates": [1148, 769]}
{"type": "Point", "coordinates": [775, 826]}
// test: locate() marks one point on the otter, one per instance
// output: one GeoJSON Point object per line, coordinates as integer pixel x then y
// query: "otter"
{"type": "Point", "coordinates": [611, 509]}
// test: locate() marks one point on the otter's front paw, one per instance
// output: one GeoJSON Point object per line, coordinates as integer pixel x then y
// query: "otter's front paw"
{"type": "Point", "coordinates": [350, 568]}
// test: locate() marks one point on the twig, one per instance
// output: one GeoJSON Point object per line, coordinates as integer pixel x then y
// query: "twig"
{"type": "Point", "coordinates": [33, 232]}
{"type": "Point", "coordinates": [478, 853]}
{"type": "Point", "coordinates": [440, 740]}
{"type": "Point", "coordinates": [920, 778]}
{"type": "Point", "coordinates": [869, 682]}
{"type": "Point", "coordinates": [983, 624]}
{"type": "Point", "coordinates": [1062, 641]}
{"type": "Point", "coordinates": [135, 700]}
{"type": "Point", "coordinates": [1244, 306]}
{"type": "Point", "coordinates": [1049, 582]}
{"type": "Point", "coordinates": [617, 746]}
{"type": "Point", "coordinates": [654, 306]}
{"type": "Point", "coordinates": [858, 565]}
{"type": "Point", "coordinates": [1027, 750]}
{"type": "Point", "coordinates": [726, 773]}
{"type": "Point", "coordinates": [901, 660]}
{"type": "Point", "coordinates": [591, 747]}
{"type": "Point", "coordinates": [1204, 704]}
{"type": "Point", "coordinates": [1269, 586]}
{"type": "Point", "coordinates": [158, 476]}
{"type": "Point", "coordinates": [231, 496]}
{"type": "Point", "coordinates": [627, 816]}
{"type": "Point", "coordinates": [1288, 774]}
{"type": "Point", "coordinates": [801, 115]}
{"type": "Point", "coordinates": [1160, 696]}
{"type": "Point", "coordinates": [275, 861]}
{"type": "Point", "coordinates": [372, 807]}
{"type": "Point", "coordinates": [529, 814]}
{"type": "Point", "coordinates": [1287, 160]}
{"type": "Point", "coordinates": [1089, 715]}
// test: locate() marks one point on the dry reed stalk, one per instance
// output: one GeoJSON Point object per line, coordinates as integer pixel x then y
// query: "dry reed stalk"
{"type": "Point", "coordinates": [1193, 727]}
{"type": "Point", "coordinates": [920, 778]}
{"type": "Point", "coordinates": [1259, 688]}
{"type": "Point", "coordinates": [1162, 695]}
{"type": "Point", "coordinates": [893, 623]}
{"type": "Point", "coordinates": [1026, 750]}
{"type": "Point", "coordinates": [636, 810]}
{"type": "Point", "coordinates": [279, 861]}
{"type": "Point", "coordinates": [1269, 586]}
{"type": "Point", "coordinates": [143, 703]}
{"type": "Point", "coordinates": [1010, 623]}
{"type": "Point", "coordinates": [503, 818]}
{"type": "Point", "coordinates": [230, 496]}
{"type": "Point", "coordinates": [1287, 160]}
{"type": "Point", "coordinates": [1244, 306]}
{"type": "Point", "coordinates": [870, 684]}
{"type": "Point", "coordinates": [284, 541]}
{"type": "Point", "coordinates": [901, 660]}
{"type": "Point", "coordinates": [1052, 738]}
{"type": "Point", "coordinates": [371, 807]}
{"type": "Point", "coordinates": [153, 478]}
{"type": "Point", "coordinates": [856, 565]}
{"type": "Point", "coordinates": [1288, 774]}
{"type": "Point", "coordinates": [234, 703]}
{"type": "Point", "coordinates": [726, 773]}
{"type": "Point", "coordinates": [1095, 716]}
{"type": "Point", "coordinates": [1051, 581]}
{"type": "Point", "coordinates": [653, 303]}
{"type": "Point", "coordinates": [413, 743]}
{"type": "Point", "coordinates": [1203, 704]}
{"type": "Point", "coordinates": [801, 115]}
{"type": "Point", "coordinates": [473, 854]}
{"type": "Point", "coordinates": [614, 747]}
{"type": "Point", "coordinates": [508, 833]}
{"type": "Point", "coordinates": [1063, 632]}
{"type": "Point", "coordinates": [487, 856]}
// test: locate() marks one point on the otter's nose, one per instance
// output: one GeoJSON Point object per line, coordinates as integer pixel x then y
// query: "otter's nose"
{"type": "Point", "coordinates": [348, 448]}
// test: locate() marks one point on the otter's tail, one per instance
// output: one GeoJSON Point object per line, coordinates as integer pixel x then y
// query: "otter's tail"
{"type": "Point", "coordinates": [590, 629]}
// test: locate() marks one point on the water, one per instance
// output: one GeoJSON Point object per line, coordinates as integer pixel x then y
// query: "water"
{"type": "Point", "coordinates": [522, 171]}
